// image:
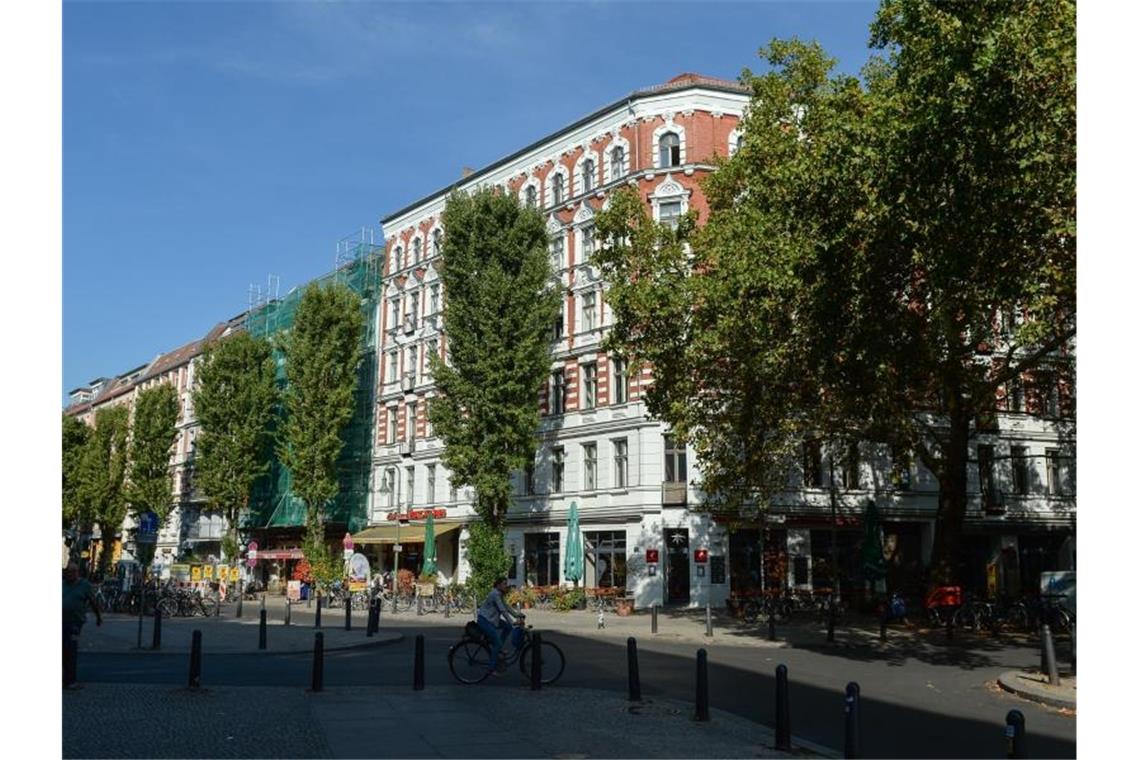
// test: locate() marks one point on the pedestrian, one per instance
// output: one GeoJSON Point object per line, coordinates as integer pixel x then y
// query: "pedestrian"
{"type": "Point", "coordinates": [78, 595]}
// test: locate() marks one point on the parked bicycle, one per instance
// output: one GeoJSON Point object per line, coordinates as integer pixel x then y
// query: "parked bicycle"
{"type": "Point", "coordinates": [470, 658]}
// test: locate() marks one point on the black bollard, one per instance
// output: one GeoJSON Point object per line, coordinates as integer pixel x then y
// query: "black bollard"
{"type": "Point", "coordinates": [1073, 648]}
{"type": "Point", "coordinates": [708, 620]}
{"type": "Point", "coordinates": [241, 596]}
{"type": "Point", "coordinates": [702, 685]}
{"type": "Point", "coordinates": [317, 622]}
{"type": "Point", "coordinates": [1015, 734]}
{"type": "Point", "coordinates": [371, 619]}
{"type": "Point", "coordinates": [634, 673]}
{"type": "Point", "coordinates": [261, 630]}
{"type": "Point", "coordinates": [262, 602]}
{"type": "Point", "coordinates": [447, 607]}
{"type": "Point", "coordinates": [419, 605]}
{"type": "Point", "coordinates": [288, 611]}
{"type": "Point", "coordinates": [535, 662]}
{"type": "Point", "coordinates": [196, 660]}
{"type": "Point", "coordinates": [771, 628]}
{"type": "Point", "coordinates": [654, 628]}
{"type": "Point", "coordinates": [318, 661]}
{"type": "Point", "coordinates": [783, 711]}
{"type": "Point", "coordinates": [1049, 656]}
{"type": "Point", "coordinates": [348, 613]}
{"type": "Point", "coordinates": [851, 732]}
{"type": "Point", "coordinates": [156, 638]}
{"type": "Point", "coordinates": [418, 668]}
{"type": "Point", "coordinates": [950, 628]}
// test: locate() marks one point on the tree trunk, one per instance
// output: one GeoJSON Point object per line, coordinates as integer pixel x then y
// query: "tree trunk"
{"type": "Point", "coordinates": [951, 498]}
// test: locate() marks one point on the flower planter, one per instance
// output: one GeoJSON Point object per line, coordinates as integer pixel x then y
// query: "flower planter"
{"type": "Point", "coordinates": [624, 606]}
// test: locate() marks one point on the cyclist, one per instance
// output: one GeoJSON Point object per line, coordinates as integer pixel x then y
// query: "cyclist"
{"type": "Point", "coordinates": [495, 617]}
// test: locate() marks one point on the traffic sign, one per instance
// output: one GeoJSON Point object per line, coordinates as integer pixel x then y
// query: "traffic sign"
{"type": "Point", "coordinates": [148, 523]}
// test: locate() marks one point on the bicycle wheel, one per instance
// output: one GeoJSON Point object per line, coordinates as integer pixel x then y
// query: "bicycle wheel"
{"type": "Point", "coordinates": [169, 607]}
{"type": "Point", "coordinates": [553, 661]}
{"type": "Point", "coordinates": [469, 661]}
{"type": "Point", "coordinates": [751, 613]}
{"type": "Point", "coordinates": [966, 617]}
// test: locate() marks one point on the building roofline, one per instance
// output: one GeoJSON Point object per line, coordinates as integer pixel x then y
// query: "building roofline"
{"type": "Point", "coordinates": [693, 83]}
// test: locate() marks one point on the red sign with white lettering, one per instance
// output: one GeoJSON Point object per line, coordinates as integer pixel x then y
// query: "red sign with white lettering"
{"type": "Point", "coordinates": [417, 514]}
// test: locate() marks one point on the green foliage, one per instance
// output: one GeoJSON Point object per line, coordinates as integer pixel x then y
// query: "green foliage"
{"type": "Point", "coordinates": [565, 600]}
{"type": "Point", "coordinates": [501, 301]}
{"type": "Point", "coordinates": [152, 435]}
{"type": "Point", "coordinates": [234, 399]}
{"type": "Point", "coordinates": [859, 245]}
{"type": "Point", "coordinates": [488, 557]}
{"type": "Point", "coordinates": [102, 476]}
{"type": "Point", "coordinates": [324, 567]}
{"type": "Point", "coordinates": [75, 436]}
{"type": "Point", "coordinates": [322, 354]}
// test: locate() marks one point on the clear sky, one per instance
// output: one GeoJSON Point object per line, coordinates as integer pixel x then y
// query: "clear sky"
{"type": "Point", "coordinates": [207, 145]}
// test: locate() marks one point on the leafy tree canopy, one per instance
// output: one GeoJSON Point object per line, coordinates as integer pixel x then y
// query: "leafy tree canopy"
{"type": "Point", "coordinates": [153, 433]}
{"type": "Point", "coordinates": [75, 436]}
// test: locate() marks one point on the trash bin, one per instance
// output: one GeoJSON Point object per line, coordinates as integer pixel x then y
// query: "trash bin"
{"type": "Point", "coordinates": [304, 592]}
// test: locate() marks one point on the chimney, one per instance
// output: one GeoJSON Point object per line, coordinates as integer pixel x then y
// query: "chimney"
{"type": "Point", "coordinates": [467, 172]}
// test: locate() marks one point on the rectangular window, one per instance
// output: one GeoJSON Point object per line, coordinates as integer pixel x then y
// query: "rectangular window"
{"type": "Point", "coordinates": [619, 383]}
{"type": "Point", "coordinates": [1019, 458]}
{"type": "Point", "coordinates": [411, 431]}
{"type": "Point", "coordinates": [621, 462]}
{"type": "Point", "coordinates": [589, 466]}
{"type": "Point", "coordinates": [900, 469]}
{"type": "Point", "coordinates": [1050, 395]}
{"type": "Point", "coordinates": [392, 415]}
{"type": "Point", "coordinates": [589, 385]}
{"type": "Point", "coordinates": [453, 490]}
{"type": "Point", "coordinates": [390, 486]}
{"type": "Point", "coordinates": [434, 299]}
{"type": "Point", "coordinates": [414, 308]}
{"type": "Point", "coordinates": [429, 431]}
{"type": "Point", "coordinates": [432, 350]}
{"type": "Point", "coordinates": [430, 484]}
{"type": "Point", "coordinates": [559, 325]}
{"type": "Point", "coordinates": [393, 366]}
{"type": "Point", "coordinates": [558, 392]}
{"type": "Point", "coordinates": [528, 478]}
{"type": "Point", "coordinates": [813, 464]}
{"type": "Point", "coordinates": [851, 467]}
{"type": "Point", "coordinates": [587, 244]}
{"type": "Point", "coordinates": [542, 559]}
{"type": "Point", "coordinates": [394, 322]}
{"type": "Point", "coordinates": [557, 468]}
{"type": "Point", "coordinates": [605, 558]}
{"type": "Point", "coordinates": [676, 461]}
{"type": "Point", "coordinates": [413, 363]}
{"type": "Point", "coordinates": [1053, 471]}
{"type": "Point", "coordinates": [409, 484]}
{"type": "Point", "coordinates": [669, 213]}
{"type": "Point", "coordinates": [986, 473]}
{"type": "Point", "coordinates": [589, 310]}
{"type": "Point", "coordinates": [1016, 395]}
{"type": "Point", "coordinates": [558, 253]}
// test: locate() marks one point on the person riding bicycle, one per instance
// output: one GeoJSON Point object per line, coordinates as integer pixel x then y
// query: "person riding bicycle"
{"type": "Point", "coordinates": [495, 618]}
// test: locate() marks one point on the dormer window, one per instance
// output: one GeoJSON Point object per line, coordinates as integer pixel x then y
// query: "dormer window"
{"type": "Point", "coordinates": [587, 176]}
{"type": "Point", "coordinates": [669, 150]}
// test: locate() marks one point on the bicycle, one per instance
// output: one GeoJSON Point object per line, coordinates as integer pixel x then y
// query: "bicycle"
{"type": "Point", "coordinates": [469, 659]}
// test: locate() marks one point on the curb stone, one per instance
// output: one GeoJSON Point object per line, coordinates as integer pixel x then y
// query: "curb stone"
{"type": "Point", "coordinates": [1014, 682]}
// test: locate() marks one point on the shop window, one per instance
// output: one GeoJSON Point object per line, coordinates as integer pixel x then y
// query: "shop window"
{"type": "Point", "coordinates": [542, 559]}
{"type": "Point", "coordinates": [605, 559]}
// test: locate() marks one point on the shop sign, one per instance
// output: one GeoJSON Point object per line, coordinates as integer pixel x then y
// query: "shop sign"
{"type": "Point", "coordinates": [195, 573]}
{"type": "Point", "coordinates": [652, 555]}
{"type": "Point", "coordinates": [208, 572]}
{"type": "Point", "coordinates": [357, 585]}
{"type": "Point", "coordinates": [235, 574]}
{"type": "Point", "coordinates": [701, 555]}
{"type": "Point", "coordinates": [417, 514]}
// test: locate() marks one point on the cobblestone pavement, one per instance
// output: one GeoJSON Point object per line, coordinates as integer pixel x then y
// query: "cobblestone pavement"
{"type": "Point", "coordinates": [103, 720]}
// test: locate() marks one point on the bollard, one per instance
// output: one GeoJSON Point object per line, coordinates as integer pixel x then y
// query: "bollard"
{"type": "Point", "coordinates": [156, 639]}
{"type": "Point", "coordinates": [1049, 656]}
{"type": "Point", "coordinates": [654, 628]}
{"type": "Point", "coordinates": [851, 732]}
{"type": "Point", "coordinates": [262, 601]}
{"type": "Point", "coordinates": [634, 673]}
{"type": "Point", "coordinates": [196, 660]}
{"type": "Point", "coordinates": [261, 630]}
{"type": "Point", "coordinates": [348, 613]}
{"type": "Point", "coordinates": [447, 607]}
{"type": "Point", "coordinates": [950, 628]}
{"type": "Point", "coordinates": [831, 620]}
{"type": "Point", "coordinates": [241, 596]}
{"type": "Point", "coordinates": [393, 597]}
{"type": "Point", "coordinates": [371, 619]}
{"type": "Point", "coordinates": [1073, 648]}
{"type": "Point", "coordinates": [317, 622]}
{"type": "Point", "coordinates": [702, 685]}
{"type": "Point", "coordinates": [419, 605]}
{"type": "Point", "coordinates": [309, 599]}
{"type": "Point", "coordinates": [535, 663]}
{"type": "Point", "coordinates": [708, 620]}
{"type": "Point", "coordinates": [288, 611]}
{"type": "Point", "coordinates": [318, 661]}
{"type": "Point", "coordinates": [1015, 734]}
{"type": "Point", "coordinates": [783, 711]}
{"type": "Point", "coordinates": [771, 628]}
{"type": "Point", "coordinates": [418, 668]}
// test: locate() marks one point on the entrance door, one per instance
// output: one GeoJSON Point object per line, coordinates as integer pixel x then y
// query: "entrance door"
{"type": "Point", "coordinates": [677, 567]}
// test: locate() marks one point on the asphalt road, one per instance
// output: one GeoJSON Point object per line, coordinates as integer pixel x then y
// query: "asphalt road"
{"type": "Point", "coordinates": [919, 699]}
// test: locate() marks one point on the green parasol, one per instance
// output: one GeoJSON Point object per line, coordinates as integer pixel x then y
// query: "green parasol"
{"type": "Point", "coordinates": [429, 546]}
{"type": "Point", "coordinates": [572, 565]}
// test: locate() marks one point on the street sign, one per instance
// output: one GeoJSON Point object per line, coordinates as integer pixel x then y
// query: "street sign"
{"type": "Point", "coordinates": [347, 542]}
{"type": "Point", "coordinates": [252, 553]}
{"type": "Point", "coordinates": [251, 562]}
{"type": "Point", "coordinates": [148, 523]}
{"type": "Point", "coordinates": [397, 548]}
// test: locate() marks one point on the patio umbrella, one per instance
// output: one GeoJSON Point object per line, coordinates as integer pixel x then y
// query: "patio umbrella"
{"type": "Point", "coordinates": [874, 566]}
{"type": "Point", "coordinates": [572, 565]}
{"type": "Point", "coordinates": [429, 545]}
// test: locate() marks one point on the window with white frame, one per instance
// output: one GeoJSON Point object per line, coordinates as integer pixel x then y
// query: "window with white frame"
{"type": "Point", "coordinates": [436, 242]}
{"type": "Point", "coordinates": [558, 391]}
{"type": "Point", "coordinates": [397, 257]}
{"type": "Point", "coordinates": [414, 308]}
{"type": "Point", "coordinates": [589, 466]}
{"type": "Point", "coordinates": [430, 495]}
{"type": "Point", "coordinates": [409, 485]}
{"type": "Point", "coordinates": [557, 189]}
{"type": "Point", "coordinates": [557, 252]}
{"type": "Point", "coordinates": [668, 150]}
{"type": "Point", "coordinates": [433, 350]}
{"type": "Point", "coordinates": [416, 251]}
{"type": "Point", "coordinates": [669, 212]}
{"type": "Point", "coordinates": [587, 175]}
{"type": "Point", "coordinates": [621, 462]}
{"type": "Point", "coordinates": [587, 243]}
{"type": "Point", "coordinates": [392, 420]}
{"type": "Point", "coordinates": [389, 486]}
{"type": "Point", "coordinates": [589, 385]}
{"type": "Point", "coordinates": [433, 295]}
{"type": "Point", "coordinates": [557, 468]}
{"type": "Point", "coordinates": [531, 196]}
{"type": "Point", "coordinates": [412, 364]}
{"type": "Point", "coordinates": [619, 382]}
{"type": "Point", "coordinates": [1019, 459]}
{"type": "Point", "coordinates": [617, 162]}
{"type": "Point", "coordinates": [429, 431]}
{"type": "Point", "coordinates": [589, 310]}
{"type": "Point", "coordinates": [393, 365]}
{"type": "Point", "coordinates": [394, 322]}
{"type": "Point", "coordinates": [676, 461]}
{"type": "Point", "coordinates": [411, 429]}
{"type": "Point", "coordinates": [559, 331]}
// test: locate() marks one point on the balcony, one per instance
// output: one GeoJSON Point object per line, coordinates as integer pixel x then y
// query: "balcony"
{"type": "Point", "coordinates": [674, 494]}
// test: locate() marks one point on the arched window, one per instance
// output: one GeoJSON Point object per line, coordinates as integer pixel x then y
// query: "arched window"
{"type": "Point", "coordinates": [531, 197]}
{"type": "Point", "coordinates": [416, 251]}
{"type": "Point", "coordinates": [557, 189]}
{"type": "Point", "coordinates": [669, 150]}
{"type": "Point", "coordinates": [587, 175]}
{"type": "Point", "coordinates": [617, 162]}
{"type": "Point", "coordinates": [397, 255]}
{"type": "Point", "coordinates": [436, 242]}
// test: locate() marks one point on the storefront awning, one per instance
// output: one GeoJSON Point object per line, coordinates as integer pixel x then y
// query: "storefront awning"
{"type": "Point", "coordinates": [280, 554]}
{"type": "Point", "coordinates": [409, 534]}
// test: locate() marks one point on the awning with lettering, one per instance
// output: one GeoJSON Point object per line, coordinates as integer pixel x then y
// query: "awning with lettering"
{"type": "Point", "coordinates": [409, 534]}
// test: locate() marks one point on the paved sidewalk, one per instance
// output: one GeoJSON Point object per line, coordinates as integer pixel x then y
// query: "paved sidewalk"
{"type": "Point", "coordinates": [1034, 685]}
{"type": "Point", "coordinates": [101, 720]}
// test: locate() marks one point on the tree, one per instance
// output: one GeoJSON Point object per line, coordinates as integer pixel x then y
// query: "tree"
{"type": "Point", "coordinates": [235, 400]}
{"type": "Point", "coordinates": [151, 483]}
{"type": "Point", "coordinates": [501, 303]}
{"type": "Point", "coordinates": [322, 354]}
{"type": "Point", "coordinates": [75, 435]}
{"type": "Point", "coordinates": [860, 244]}
{"type": "Point", "coordinates": [102, 475]}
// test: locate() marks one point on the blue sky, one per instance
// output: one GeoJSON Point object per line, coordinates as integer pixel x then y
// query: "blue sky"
{"type": "Point", "coordinates": [207, 145]}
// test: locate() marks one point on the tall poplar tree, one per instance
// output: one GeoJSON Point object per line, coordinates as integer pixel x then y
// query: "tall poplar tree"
{"type": "Point", "coordinates": [75, 435]}
{"type": "Point", "coordinates": [235, 400]}
{"type": "Point", "coordinates": [102, 477]}
{"type": "Point", "coordinates": [501, 302]}
{"type": "Point", "coordinates": [322, 353]}
{"type": "Point", "coordinates": [151, 483]}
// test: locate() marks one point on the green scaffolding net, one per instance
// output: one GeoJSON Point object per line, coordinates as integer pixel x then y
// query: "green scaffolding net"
{"type": "Point", "coordinates": [272, 504]}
